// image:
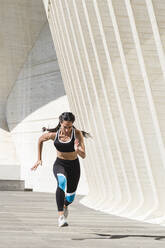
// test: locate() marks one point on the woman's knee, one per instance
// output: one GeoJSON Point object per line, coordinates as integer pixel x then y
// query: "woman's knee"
{"type": "Point", "coordinates": [70, 197]}
{"type": "Point", "coordinates": [61, 181]}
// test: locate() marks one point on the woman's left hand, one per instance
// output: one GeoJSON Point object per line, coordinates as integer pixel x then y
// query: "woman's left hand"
{"type": "Point", "coordinates": [79, 145]}
{"type": "Point", "coordinates": [76, 144]}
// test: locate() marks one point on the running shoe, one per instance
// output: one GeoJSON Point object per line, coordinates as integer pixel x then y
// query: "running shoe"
{"type": "Point", "coordinates": [61, 221]}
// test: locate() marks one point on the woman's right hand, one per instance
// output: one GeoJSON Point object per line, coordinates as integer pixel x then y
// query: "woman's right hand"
{"type": "Point", "coordinates": [39, 162]}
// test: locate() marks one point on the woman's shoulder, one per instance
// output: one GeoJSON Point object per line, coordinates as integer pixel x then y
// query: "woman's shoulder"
{"type": "Point", "coordinates": [52, 135]}
{"type": "Point", "coordinates": [48, 136]}
{"type": "Point", "coordinates": [78, 133]}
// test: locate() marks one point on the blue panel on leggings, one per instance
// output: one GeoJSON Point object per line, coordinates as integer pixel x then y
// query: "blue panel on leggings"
{"type": "Point", "coordinates": [70, 198]}
{"type": "Point", "coordinates": [61, 182]}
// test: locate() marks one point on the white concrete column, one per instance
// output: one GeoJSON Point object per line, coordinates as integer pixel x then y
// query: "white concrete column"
{"type": "Point", "coordinates": [111, 55]}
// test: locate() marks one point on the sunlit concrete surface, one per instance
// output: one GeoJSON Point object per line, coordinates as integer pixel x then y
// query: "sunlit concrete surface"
{"type": "Point", "coordinates": [29, 220]}
{"type": "Point", "coordinates": [112, 60]}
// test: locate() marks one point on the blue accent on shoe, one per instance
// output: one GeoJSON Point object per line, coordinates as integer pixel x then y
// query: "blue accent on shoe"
{"type": "Point", "coordinates": [61, 182]}
{"type": "Point", "coordinates": [70, 198]}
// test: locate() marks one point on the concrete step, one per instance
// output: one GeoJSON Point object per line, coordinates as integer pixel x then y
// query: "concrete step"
{"type": "Point", "coordinates": [12, 185]}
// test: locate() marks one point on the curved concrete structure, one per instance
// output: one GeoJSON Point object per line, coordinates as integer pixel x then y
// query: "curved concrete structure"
{"type": "Point", "coordinates": [32, 96]}
{"type": "Point", "coordinates": [18, 34]}
{"type": "Point", "coordinates": [36, 100]}
{"type": "Point", "coordinates": [111, 56]}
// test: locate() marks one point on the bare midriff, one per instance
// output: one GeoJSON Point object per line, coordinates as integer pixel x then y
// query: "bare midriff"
{"type": "Point", "coordinates": [67, 155]}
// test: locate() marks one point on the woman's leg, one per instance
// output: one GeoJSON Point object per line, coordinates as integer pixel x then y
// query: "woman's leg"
{"type": "Point", "coordinates": [61, 177]}
{"type": "Point", "coordinates": [73, 176]}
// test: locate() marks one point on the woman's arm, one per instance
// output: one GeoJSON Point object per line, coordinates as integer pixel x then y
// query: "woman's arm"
{"type": "Point", "coordinates": [79, 144]}
{"type": "Point", "coordinates": [43, 138]}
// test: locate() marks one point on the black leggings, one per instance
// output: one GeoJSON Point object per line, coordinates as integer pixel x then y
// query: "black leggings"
{"type": "Point", "coordinates": [67, 173]}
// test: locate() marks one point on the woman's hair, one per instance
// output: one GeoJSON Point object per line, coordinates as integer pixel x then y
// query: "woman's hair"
{"type": "Point", "coordinates": [66, 116]}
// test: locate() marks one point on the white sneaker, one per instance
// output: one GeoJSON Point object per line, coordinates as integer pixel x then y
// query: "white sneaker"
{"type": "Point", "coordinates": [66, 211]}
{"type": "Point", "coordinates": [61, 221]}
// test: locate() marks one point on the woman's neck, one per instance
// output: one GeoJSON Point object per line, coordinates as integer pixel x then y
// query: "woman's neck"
{"type": "Point", "coordinates": [62, 132]}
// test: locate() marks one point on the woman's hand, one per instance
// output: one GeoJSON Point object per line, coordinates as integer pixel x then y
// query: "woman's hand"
{"type": "Point", "coordinates": [76, 144]}
{"type": "Point", "coordinates": [39, 162]}
{"type": "Point", "coordinates": [79, 149]}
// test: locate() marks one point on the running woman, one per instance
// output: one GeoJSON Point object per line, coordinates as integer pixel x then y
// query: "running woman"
{"type": "Point", "coordinates": [69, 143]}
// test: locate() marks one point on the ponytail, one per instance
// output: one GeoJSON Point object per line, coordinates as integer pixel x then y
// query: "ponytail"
{"type": "Point", "coordinates": [66, 116]}
{"type": "Point", "coordinates": [85, 134]}
{"type": "Point", "coordinates": [52, 129]}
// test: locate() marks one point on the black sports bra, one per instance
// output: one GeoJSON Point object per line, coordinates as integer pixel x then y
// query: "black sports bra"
{"type": "Point", "coordinates": [67, 146]}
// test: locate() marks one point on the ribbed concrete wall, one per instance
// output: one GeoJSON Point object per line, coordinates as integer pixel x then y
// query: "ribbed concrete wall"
{"type": "Point", "coordinates": [111, 55]}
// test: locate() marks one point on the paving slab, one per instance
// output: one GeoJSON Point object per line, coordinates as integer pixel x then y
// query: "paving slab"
{"type": "Point", "coordinates": [29, 219]}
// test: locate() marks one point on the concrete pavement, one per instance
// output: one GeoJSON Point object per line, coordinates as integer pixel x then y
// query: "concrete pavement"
{"type": "Point", "coordinates": [29, 219]}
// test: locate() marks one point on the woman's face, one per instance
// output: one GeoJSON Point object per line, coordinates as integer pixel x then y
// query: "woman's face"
{"type": "Point", "coordinates": [66, 126]}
